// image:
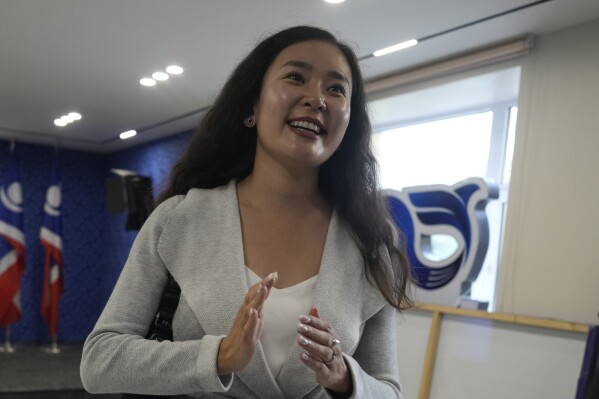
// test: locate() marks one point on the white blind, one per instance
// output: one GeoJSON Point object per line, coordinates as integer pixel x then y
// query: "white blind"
{"type": "Point", "coordinates": [550, 262]}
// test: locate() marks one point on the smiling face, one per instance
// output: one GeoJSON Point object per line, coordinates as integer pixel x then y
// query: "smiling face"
{"type": "Point", "coordinates": [304, 105]}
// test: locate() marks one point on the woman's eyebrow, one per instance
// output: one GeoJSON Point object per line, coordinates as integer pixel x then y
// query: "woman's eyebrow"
{"type": "Point", "coordinates": [305, 65]}
{"type": "Point", "coordinates": [299, 64]}
{"type": "Point", "coordinates": [338, 76]}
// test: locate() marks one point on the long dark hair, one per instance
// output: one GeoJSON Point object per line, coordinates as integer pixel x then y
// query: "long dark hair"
{"type": "Point", "coordinates": [223, 149]}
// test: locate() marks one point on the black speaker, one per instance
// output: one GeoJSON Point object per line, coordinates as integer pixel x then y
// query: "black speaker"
{"type": "Point", "coordinates": [139, 200]}
{"type": "Point", "coordinates": [131, 194]}
{"type": "Point", "coordinates": [116, 194]}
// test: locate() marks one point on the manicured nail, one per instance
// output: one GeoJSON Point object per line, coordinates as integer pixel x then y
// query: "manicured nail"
{"type": "Point", "coordinates": [304, 319]}
{"type": "Point", "coordinates": [314, 312]}
{"type": "Point", "coordinates": [304, 341]}
{"type": "Point", "coordinates": [271, 276]}
{"type": "Point", "coordinates": [302, 328]}
{"type": "Point", "coordinates": [305, 356]}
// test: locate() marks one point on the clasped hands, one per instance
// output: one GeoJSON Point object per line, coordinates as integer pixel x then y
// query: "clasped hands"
{"type": "Point", "coordinates": [321, 350]}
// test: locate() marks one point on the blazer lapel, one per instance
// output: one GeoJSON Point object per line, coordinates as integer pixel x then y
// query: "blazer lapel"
{"type": "Point", "coordinates": [202, 248]}
{"type": "Point", "coordinates": [342, 296]}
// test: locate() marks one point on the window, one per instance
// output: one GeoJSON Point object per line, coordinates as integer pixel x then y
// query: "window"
{"type": "Point", "coordinates": [446, 147]}
{"type": "Point", "coordinates": [439, 152]}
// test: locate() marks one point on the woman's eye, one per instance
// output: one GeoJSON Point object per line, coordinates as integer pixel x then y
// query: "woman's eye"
{"type": "Point", "coordinates": [338, 89]}
{"type": "Point", "coordinates": [295, 76]}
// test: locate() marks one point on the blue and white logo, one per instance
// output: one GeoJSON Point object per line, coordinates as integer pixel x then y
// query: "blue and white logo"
{"type": "Point", "coordinates": [446, 233]}
{"type": "Point", "coordinates": [12, 198]}
{"type": "Point", "coordinates": [53, 200]}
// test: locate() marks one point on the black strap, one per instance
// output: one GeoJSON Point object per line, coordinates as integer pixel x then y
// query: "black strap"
{"type": "Point", "coordinates": [161, 327]}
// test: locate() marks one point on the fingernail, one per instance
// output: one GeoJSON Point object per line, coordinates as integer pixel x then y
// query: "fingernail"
{"type": "Point", "coordinates": [304, 340]}
{"type": "Point", "coordinates": [314, 312]}
{"type": "Point", "coordinates": [302, 328]}
{"type": "Point", "coordinates": [271, 276]}
{"type": "Point", "coordinates": [305, 356]}
{"type": "Point", "coordinates": [260, 288]}
{"type": "Point", "coordinates": [304, 319]}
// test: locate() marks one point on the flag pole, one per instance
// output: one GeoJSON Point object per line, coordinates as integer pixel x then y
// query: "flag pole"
{"type": "Point", "coordinates": [7, 347]}
{"type": "Point", "coordinates": [53, 347]}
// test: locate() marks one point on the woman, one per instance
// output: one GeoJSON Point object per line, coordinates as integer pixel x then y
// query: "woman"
{"type": "Point", "coordinates": [273, 210]}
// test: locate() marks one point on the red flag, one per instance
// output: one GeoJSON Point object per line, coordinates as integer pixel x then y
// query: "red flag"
{"type": "Point", "coordinates": [12, 244]}
{"type": "Point", "coordinates": [51, 239]}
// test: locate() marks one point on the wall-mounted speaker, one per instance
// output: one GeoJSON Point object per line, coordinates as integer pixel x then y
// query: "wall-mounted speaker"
{"type": "Point", "coordinates": [131, 194]}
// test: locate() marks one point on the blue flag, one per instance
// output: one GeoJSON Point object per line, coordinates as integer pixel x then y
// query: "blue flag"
{"type": "Point", "coordinates": [51, 239]}
{"type": "Point", "coordinates": [12, 243]}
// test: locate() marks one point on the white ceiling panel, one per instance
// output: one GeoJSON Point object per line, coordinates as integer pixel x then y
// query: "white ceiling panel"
{"type": "Point", "coordinates": [58, 56]}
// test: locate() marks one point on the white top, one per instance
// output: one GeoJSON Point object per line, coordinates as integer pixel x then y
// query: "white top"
{"type": "Point", "coordinates": [281, 313]}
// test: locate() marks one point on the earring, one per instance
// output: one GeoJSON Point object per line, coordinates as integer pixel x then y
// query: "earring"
{"type": "Point", "coordinates": [249, 121]}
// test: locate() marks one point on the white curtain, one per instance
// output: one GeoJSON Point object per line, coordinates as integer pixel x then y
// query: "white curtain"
{"type": "Point", "coordinates": [550, 262]}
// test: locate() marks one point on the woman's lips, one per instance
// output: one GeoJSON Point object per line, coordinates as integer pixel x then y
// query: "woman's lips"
{"type": "Point", "coordinates": [308, 125]}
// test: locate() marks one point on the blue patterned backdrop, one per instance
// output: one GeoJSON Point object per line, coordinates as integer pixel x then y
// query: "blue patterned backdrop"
{"type": "Point", "coordinates": [155, 160]}
{"type": "Point", "coordinates": [96, 244]}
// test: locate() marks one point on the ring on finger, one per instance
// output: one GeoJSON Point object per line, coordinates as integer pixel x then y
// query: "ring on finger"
{"type": "Point", "coordinates": [327, 362]}
{"type": "Point", "coordinates": [334, 341]}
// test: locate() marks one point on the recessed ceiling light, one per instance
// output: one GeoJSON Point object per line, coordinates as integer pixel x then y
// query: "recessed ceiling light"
{"type": "Point", "coordinates": [74, 116]}
{"type": "Point", "coordinates": [397, 47]}
{"type": "Point", "coordinates": [66, 119]}
{"type": "Point", "coordinates": [147, 82]}
{"type": "Point", "coordinates": [334, 1]}
{"type": "Point", "coordinates": [174, 69]}
{"type": "Point", "coordinates": [127, 134]}
{"type": "Point", "coordinates": [160, 75]}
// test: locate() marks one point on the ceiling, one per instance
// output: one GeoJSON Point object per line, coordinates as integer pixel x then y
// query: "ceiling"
{"type": "Point", "coordinates": [58, 56]}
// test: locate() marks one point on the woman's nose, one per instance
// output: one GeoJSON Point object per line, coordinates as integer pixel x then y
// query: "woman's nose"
{"type": "Point", "coordinates": [316, 102]}
{"type": "Point", "coordinates": [315, 96]}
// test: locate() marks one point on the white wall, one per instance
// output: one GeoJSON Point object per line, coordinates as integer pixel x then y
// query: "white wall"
{"type": "Point", "coordinates": [478, 358]}
{"type": "Point", "coordinates": [550, 262]}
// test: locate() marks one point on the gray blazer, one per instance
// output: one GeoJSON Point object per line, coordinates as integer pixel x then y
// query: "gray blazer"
{"type": "Point", "coordinates": [197, 237]}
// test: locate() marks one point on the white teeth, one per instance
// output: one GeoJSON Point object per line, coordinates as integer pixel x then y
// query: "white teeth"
{"type": "Point", "coordinates": [306, 125]}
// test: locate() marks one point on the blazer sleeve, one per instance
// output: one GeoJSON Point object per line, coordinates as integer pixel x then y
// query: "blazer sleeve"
{"type": "Point", "coordinates": [116, 356]}
{"type": "Point", "coordinates": [373, 366]}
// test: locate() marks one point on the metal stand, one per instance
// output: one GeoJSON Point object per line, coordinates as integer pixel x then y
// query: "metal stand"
{"type": "Point", "coordinates": [53, 347]}
{"type": "Point", "coordinates": [7, 347]}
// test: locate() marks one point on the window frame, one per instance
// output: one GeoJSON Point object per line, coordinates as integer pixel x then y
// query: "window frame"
{"type": "Point", "coordinates": [499, 134]}
{"type": "Point", "coordinates": [495, 163]}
